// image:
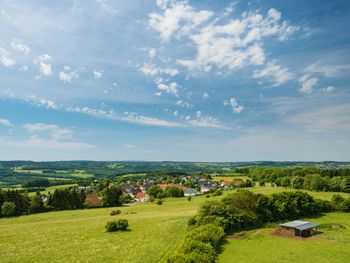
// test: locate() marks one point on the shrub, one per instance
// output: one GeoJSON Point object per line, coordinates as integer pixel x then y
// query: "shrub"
{"type": "Point", "coordinates": [115, 212]}
{"type": "Point", "coordinates": [118, 225]}
{"type": "Point", "coordinates": [159, 202]}
{"type": "Point", "coordinates": [217, 192]}
{"type": "Point", "coordinates": [189, 198]}
{"type": "Point", "coordinates": [8, 209]}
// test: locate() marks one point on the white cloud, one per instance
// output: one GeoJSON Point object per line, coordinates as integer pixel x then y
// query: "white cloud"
{"type": "Point", "coordinates": [170, 88]}
{"type": "Point", "coordinates": [129, 146]}
{"type": "Point", "coordinates": [151, 70]}
{"type": "Point", "coordinates": [152, 52]}
{"type": "Point", "coordinates": [49, 104]}
{"type": "Point", "coordinates": [307, 83]}
{"type": "Point", "coordinates": [36, 142]}
{"type": "Point", "coordinates": [329, 70]}
{"type": "Point", "coordinates": [18, 45]}
{"type": "Point", "coordinates": [6, 123]}
{"type": "Point", "coordinates": [97, 74]}
{"type": "Point", "coordinates": [236, 108]}
{"type": "Point", "coordinates": [136, 118]}
{"type": "Point", "coordinates": [67, 75]}
{"type": "Point", "coordinates": [204, 121]}
{"type": "Point", "coordinates": [275, 73]}
{"type": "Point", "coordinates": [329, 89]}
{"type": "Point", "coordinates": [175, 113]}
{"type": "Point", "coordinates": [44, 66]}
{"type": "Point", "coordinates": [6, 59]}
{"type": "Point", "coordinates": [178, 17]}
{"type": "Point", "coordinates": [53, 130]}
{"type": "Point", "coordinates": [230, 8]}
{"type": "Point", "coordinates": [184, 104]}
{"type": "Point", "coordinates": [237, 43]}
{"type": "Point", "coordinates": [205, 95]}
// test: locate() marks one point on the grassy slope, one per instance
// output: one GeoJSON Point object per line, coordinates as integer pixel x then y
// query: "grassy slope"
{"type": "Point", "coordinates": [261, 247]}
{"type": "Point", "coordinates": [79, 236]}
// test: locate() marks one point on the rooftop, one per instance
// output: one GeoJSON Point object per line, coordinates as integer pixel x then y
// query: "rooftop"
{"type": "Point", "coordinates": [300, 225]}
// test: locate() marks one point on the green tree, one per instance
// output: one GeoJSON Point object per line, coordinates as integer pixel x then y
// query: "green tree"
{"type": "Point", "coordinates": [8, 209]}
{"type": "Point", "coordinates": [298, 182]}
{"type": "Point", "coordinates": [345, 184]}
{"type": "Point", "coordinates": [154, 191]}
{"type": "Point", "coordinates": [36, 204]}
{"type": "Point", "coordinates": [112, 196]}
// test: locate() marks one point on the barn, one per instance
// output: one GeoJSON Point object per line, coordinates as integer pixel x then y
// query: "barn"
{"type": "Point", "coordinates": [298, 228]}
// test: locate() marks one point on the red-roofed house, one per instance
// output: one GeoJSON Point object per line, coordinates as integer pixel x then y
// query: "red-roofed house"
{"type": "Point", "coordinates": [142, 197]}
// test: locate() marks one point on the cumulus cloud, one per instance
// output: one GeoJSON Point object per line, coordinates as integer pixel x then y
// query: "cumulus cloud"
{"type": "Point", "coordinates": [307, 83]}
{"type": "Point", "coordinates": [151, 70]}
{"type": "Point", "coordinates": [19, 46]}
{"type": "Point", "coordinates": [329, 89]}
{"type": "Point", "coordinates": [45, 103]}
{"type": "Point", "coordinates": [171, 88]}
{"type": "Point", "coordinates": [237, 43]}
{"type": "Point", "coordinates": [236, 108]}
{"type": "Point", "coordinates": [275, 73]}
{"type": "Point", "coordinates": [97, 74]}
{"type": "Point", "coordinates": [205, 95]}
{"type": "Point", "coordinates": [5, 58]}
{"type": "Point", "coordinates": [184, 104]}
{"type": "Point", "coordinates": [68, 75]}
{"type": "Point", "coordinates": [44, 65]}
{"type": "Point", "coordinates": [204, 121]}
{"type": "Point", "coordinates": [6, 123]}
{"type": "Point", "coordinates": [152, 52]}
{"type": "Point", "coordinates": [178, 17]}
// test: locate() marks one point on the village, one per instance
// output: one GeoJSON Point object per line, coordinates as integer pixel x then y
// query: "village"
{"type": "Point", "coordinates": [137, 190]}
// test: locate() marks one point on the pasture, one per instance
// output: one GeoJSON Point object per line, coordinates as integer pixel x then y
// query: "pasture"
{"type": "Point", "coordinates": [155, 232]}
{"type": "Point", "coordinates": [260, 246]}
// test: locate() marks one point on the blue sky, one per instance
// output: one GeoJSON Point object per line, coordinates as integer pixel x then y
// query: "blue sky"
{"type": "Point", "coordinates": [174, 80]}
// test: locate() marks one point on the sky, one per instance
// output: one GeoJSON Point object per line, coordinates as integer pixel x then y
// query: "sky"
{"type": "Point", "coordinates": [157, 80]}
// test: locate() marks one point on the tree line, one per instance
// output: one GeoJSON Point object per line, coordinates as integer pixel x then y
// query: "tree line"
{"type": "Point", "coordinates": [308, 178]}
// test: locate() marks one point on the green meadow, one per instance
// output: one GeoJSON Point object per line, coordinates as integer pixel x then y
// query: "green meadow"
{"type": "Point", "coordinates": [260, 246]}
{"type": "Point", "coordinates": [155, 233]}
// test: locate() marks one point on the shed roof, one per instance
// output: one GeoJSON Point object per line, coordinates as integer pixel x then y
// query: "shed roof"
{"type": "Point", "coordinates": [300, 225]}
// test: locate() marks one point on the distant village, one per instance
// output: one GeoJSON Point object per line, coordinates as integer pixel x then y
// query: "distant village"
{"type": "Point", "coordinates": [136, 190]}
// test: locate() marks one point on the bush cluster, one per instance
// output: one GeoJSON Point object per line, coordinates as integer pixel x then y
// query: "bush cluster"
{"type": "Point", "coordinates": [118, 225]}
{"type": "Point", "coordinates": [199, 245]}
{"type": "Point", "coordinates": [115, 212]}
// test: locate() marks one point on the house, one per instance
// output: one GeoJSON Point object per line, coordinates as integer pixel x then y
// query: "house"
{"type": "Point", "coordinates": [190, 192]}
{"type": "Point", "coordinates": [142, 197]}
{"type": "Point", "coordinates": [92, 200]}
{"type": "Point", "coordinates": [206, 187]}
{"type": "Point", "coordinates": [298, 228]}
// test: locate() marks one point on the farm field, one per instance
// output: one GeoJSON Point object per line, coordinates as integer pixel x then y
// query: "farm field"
{"type": "Point", "coordinates": [260, 246]}
{"type": "Point", "coordinates": [155, 232]}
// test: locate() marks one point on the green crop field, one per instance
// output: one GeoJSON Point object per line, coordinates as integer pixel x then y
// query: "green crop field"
{"type": "Point", "coordinates": [155, 232]}
{"type": "Point", "coordinates": [260, 246]}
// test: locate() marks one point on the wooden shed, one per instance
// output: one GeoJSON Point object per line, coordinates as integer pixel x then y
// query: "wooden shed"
{"type": "Point", "coordinates": [298, 228]}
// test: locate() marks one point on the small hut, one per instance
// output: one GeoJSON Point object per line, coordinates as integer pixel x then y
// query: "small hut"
{"type": "Point", "coordinates": [298, 228]}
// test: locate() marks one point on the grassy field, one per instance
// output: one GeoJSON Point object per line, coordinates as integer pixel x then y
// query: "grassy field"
{"type": "Point", "coordinates": [155, 232]}
{"type": "Point", "coordinates": [28, 171]}
{"type": "Point", "coordinates": [229, 178]}
{"type": "Point", "coordinates": [260, 246]}
{"type": "Point", "coordinates": [79, 236]}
